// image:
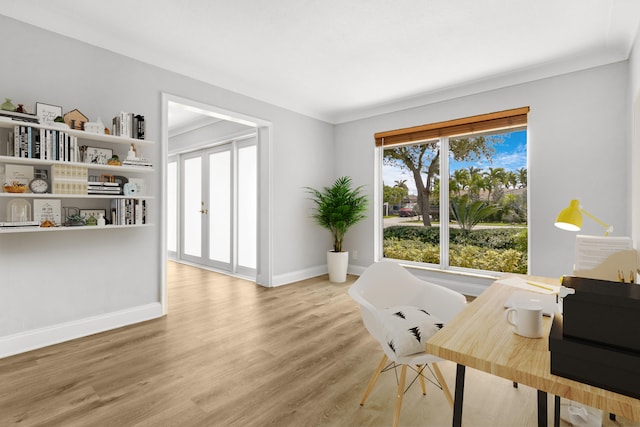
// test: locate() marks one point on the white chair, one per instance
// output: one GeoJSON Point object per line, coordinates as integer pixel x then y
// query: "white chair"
{"type": "Point", "coordinates": [384, 285]}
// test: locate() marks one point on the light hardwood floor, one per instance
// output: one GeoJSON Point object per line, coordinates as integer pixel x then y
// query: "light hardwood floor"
{"type": "Point", "coordinates": [231, 353]}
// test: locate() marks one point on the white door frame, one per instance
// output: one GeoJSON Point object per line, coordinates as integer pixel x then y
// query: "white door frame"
{"type": "Point", "coordinates": [264, 270]}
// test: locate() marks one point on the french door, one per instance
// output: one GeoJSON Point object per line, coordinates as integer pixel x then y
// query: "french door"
{"type": "Point", "coordinates": [219, 207]}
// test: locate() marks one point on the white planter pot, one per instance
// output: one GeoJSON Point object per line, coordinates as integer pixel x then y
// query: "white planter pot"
{"type": "Point", "coordinates": [337, 263]}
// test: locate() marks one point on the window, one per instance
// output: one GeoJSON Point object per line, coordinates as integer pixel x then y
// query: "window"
{"type": "Point", "coordinates": [463, 210]}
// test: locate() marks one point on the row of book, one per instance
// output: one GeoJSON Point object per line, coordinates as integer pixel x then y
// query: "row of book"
{"type": "Point", "coordinates": [128, 211]}
{"type": "Point", "coordinates": [99, 187]}
{"type": "Point", "coordinates": [46, 144]}
{"type": "Point", "coordinates": [137, 162]}
{"type": "Point", "coordinates": [69, 179]}
{"type": "Point", "coordinates": [128, 124]}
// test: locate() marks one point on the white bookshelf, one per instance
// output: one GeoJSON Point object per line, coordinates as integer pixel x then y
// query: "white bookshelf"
{"type": "Point", "coordinates": [119, 145]}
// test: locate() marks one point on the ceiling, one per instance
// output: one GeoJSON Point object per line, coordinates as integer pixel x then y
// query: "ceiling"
{"type": "Point", "coordinates": [340, 60]}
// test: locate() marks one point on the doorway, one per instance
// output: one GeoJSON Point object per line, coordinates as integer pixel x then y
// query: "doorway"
{"type": "Point", "coordinates": [220, 162]}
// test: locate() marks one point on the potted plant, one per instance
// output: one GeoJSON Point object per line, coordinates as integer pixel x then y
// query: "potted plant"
{"type": "Point", "coordinates": [337, 208]}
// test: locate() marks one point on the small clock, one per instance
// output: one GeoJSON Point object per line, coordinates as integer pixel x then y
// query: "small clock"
{"type": "Point", "coordinates": [39, 185]}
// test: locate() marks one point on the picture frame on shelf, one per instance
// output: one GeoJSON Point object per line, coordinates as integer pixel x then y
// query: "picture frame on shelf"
{"type": "Point", "coordinates": [98, 156]}
{"type": "Point", "coordinates": [47, 209]}
{"type": "Point", "coordinates": [86, 213]}
{"type": "Point", "coordinates": [47, 113]}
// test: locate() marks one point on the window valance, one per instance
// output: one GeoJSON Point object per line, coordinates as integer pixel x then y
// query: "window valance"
{"type": "Point", "coordinates": [492, 121]}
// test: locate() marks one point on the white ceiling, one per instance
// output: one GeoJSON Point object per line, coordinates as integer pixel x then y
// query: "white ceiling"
{"type": "Point", "coordinates": [338, 60]}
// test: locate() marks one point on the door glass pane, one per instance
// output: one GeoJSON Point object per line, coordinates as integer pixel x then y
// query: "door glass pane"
{"type": "Point", "coordinates": [192, 205]}
{"type": "Point", "coordinates": [172, 206]}
{"type": "Point", "coordinates": [247, 206]}
{"type": "Point", "coordinates": [220, 206]}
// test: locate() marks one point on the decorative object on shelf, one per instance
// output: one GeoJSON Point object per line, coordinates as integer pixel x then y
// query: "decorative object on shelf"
{"type": "Point", "coordinates": [570, 218]}
{"type": "Point", "coordinates": [91, 220]}
{"type": "Point", "coordinates": [18, 210]}
{"type": "Point", "coordinates": [75, 119]}
{"type": "Point", "coordinates": [47, 210]}
{"type": "Point", "coordinates": [337, 208]}
{"type": "Point", "coordinates": [139, 183]}
{"type": "Point", "coordinates": [20, 109]}
{"type": "Point", "coordinates": [114, 161]}
{"type": "Point", "coordinates": [17, 178]}
{"type": "Point", "coordinates": [130, 189]}
{"type": "Point", "coordinates": [73, 217]}
{"type": "Point", "coordinates": [47, 113]}
{"type": "Point", "coordinates": [132, 154]}
{"type": "Point", "coordinates": [101, 221]}
{"type": "Point", "coordinates": [98, 156]}
{"type": "Point", "coordinates": [14, 187]}
{"type": "Point", "coordinates": [47, 223]}
{"type": "Point", "coordinates": [75, 221]}
{"type": "Point", "coordinates": [59, 123]}
{"type": "Point", "coordinates": [7, 105]}
{"type": "Point", "coordinates": [39, 184]}
{"type": "Point", "coordinates": [94, 127]}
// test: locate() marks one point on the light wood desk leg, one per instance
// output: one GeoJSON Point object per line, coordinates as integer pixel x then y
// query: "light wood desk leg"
{"type": "Point", "coordinates": [542, 408]}
{"type": "Point", "coordinates": [457, 404]}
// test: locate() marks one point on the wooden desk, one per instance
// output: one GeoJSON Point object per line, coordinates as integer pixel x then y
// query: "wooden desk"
{"type": "Point", "coordinates": [481, 338]}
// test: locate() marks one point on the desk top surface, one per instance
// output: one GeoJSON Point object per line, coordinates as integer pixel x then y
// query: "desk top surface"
{"type": "Point", "coordinates": [480, 337]}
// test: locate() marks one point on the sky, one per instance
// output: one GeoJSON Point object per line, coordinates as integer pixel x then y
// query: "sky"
{"type": "Point", "coordinates": [511, 154]}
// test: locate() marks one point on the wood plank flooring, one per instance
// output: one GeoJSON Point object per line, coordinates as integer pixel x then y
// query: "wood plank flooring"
{"type": "Point", "coordinates": [231, 353]}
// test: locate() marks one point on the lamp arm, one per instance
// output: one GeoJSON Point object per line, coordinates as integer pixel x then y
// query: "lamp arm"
{"type": "Point", "coordinates": [608, 227]}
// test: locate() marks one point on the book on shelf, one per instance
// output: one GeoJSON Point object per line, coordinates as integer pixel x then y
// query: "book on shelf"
{"type": "Point", "coordinates": [16, 116]}
{"type": "Point", "coordinates": [69, 179]}
{"type": "Point", "coordinates": [104, 188]}
{"type": "Point", "coordinates": [45, 144]}
{"type": "Point", "coordinates": [137, 162]}
{"type": "Point", "coordinates": [128, 124]}
{"type": "Point", "coordinates": [19, 223]}
{"type": "Point", "coordinates": [128, 212]}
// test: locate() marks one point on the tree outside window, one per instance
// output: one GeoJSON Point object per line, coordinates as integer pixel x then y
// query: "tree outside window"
{"type": "Point", "coordinates": [485, 223]}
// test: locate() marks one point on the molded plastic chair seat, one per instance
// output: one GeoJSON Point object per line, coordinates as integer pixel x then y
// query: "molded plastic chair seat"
{"type": "Point", "coordinates": [384, 285]}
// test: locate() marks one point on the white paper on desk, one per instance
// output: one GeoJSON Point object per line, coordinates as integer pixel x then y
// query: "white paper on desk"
{"type": "Point", "coordinates": [530, 285]}
{"type": "Point", "coordinates": [591, 251]}
{"type": "Point", "coordinates": [547, 302]}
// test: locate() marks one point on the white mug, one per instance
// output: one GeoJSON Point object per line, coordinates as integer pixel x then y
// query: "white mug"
{"type": "Point", "coordinates": [528, 320]}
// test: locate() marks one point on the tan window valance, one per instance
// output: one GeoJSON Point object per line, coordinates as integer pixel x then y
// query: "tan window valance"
{"type": "Point", "coordinates": [484, 122]}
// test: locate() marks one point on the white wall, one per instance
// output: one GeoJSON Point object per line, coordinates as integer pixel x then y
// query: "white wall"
{"type": "Point", "coordinates": [578, 147]}
{"type": "Point", "coordinates": [634, 105]}
{"type": "Point", "coordinates": [66, 278]}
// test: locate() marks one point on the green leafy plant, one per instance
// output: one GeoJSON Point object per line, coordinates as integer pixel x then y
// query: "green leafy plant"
{"type": "Point", "coordinates": [469, 213]}
{"type": "Point", "coordinates": [338, 208]}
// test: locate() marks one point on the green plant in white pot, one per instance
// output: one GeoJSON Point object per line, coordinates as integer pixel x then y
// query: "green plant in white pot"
{"type": "Point", "coordinates": [338, 208]}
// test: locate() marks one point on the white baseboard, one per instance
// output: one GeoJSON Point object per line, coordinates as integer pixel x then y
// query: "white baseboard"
{"type": "Point", "coordinates": [55, 334]}
{"type": "Point", "coordinates": [296, 276]}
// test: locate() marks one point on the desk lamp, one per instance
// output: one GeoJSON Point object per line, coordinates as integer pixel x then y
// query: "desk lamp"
{"type": "Point", "coordinates": [570, 218]}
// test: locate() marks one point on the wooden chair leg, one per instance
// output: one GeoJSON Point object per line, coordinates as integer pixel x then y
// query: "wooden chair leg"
{"type": "Point", "coordinates": [422, 383]}
{"type": "Point", "coordinates": [399, 395]}
{"type": "Point", "coordinates": [374, 378]}
{"type": "Point", "coordinates": [443, 383]}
